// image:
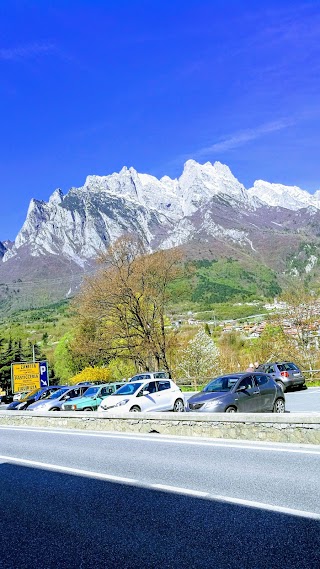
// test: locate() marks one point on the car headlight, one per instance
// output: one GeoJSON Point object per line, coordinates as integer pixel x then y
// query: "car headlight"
{"type": "Point", "coordinates": [213, 403]}
{"type": "Point", "coordinates": [123, 402]}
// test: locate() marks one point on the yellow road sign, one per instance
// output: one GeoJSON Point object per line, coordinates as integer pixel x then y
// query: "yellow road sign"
{"type": "Point", "coordinates": [25, 376]}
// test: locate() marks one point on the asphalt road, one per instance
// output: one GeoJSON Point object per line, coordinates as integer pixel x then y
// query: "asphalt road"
{"type": "Point", "coordinates": [105, 500]}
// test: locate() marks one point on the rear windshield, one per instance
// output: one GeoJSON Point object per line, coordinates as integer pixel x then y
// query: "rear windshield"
{"type": "Point", "coordinates": [288, 366]}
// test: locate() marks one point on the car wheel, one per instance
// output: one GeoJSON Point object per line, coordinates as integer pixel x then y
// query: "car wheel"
{"type": "Point", "coordinates": [178, 406]}
{"type": "Point", "coordinates": [231, 410]}
{"type": "Point", "coordinates": [135, 408]}
{"type": "Point", "coordinates": [279, 406]}
{"type": "Point", "coordinates": [55, 409]}
{"type": "Point", "coordinates": [88, 409]}
{"type": "Point", "coordinates": [281, 385]}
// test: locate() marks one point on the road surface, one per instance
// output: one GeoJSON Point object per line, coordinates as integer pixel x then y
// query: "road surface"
{"type": "Point", "coordinates": [85, 499]}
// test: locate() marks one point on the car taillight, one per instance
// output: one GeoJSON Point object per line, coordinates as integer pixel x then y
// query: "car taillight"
{"type": "Point", "coordinates": [284, 374]}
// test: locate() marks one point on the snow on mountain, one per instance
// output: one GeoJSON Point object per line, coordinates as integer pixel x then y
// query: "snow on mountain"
{"type": "Point", "coordinates": [199, 183]}
{"type": "Point", "coordinates": [163, 212]}
{"type": "Point", "coordinates": [279, 195]}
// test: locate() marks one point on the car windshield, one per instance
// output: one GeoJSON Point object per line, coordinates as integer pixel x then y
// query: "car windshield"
{"type": "Point", "coordinates": [128, 389]}
{"type": "Point", "coordinates": [91, 391]}
{"type": "Point", "coordinates": [221, 384]}
{"type": "Point", "coordinates": [31, 395]}
{"type": "Point", "coordinates": [57, 393]}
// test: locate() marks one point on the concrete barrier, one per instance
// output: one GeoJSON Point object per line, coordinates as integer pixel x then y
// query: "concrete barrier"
{"type": "Point", "coordinates": [297, 428]}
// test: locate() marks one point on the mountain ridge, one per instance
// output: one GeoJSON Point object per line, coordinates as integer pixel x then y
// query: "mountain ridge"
{"type": "Point", "coordinates": [205, 212]}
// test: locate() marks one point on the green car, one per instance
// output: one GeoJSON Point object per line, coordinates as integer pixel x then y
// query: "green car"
{"type": "Point", "coordinates": [92, 397]}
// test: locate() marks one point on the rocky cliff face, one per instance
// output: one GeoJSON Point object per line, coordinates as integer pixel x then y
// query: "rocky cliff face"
{"type": "Point", "coordinates": [80, 224]}
{"type": "Point", "coordinates": [206, 211]}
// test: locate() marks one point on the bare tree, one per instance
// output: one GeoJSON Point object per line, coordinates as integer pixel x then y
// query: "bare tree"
{"type": "Point", "coordinates": [121, 309]}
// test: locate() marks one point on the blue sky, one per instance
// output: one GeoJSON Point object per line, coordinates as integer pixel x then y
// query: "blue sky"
{"type": "Point", "coordinates": [87, 87]}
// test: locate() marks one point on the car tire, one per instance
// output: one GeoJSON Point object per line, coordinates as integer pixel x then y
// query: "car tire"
{"type": "Point", "coordinates": [135, 409]}
{"type": "Point", "coordinates": [55, 409]}
{"type": "Point", "coordinates": [178, 406]}
{"type": "Point", "coordinates": [88, 409]}
{"type": "Point", "coordinates": [279, 406]}
{"type": "Point", "coordinates": [281, 384]}
{"type": "Point", "coordinates": [231, 409]}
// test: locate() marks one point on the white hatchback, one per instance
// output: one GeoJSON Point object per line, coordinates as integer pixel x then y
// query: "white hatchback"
{"type": "Point", "coordinates": [145, 396]}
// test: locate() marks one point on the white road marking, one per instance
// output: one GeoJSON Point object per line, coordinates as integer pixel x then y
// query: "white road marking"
{"type": "Point", "coordinates": [178, 490]}
{"type": "Point", "coordinates": [172, 439]}
{"type": "Point", "coordinates": [67, 469]}
{"type": "Point", "coordinates": [161, 487]}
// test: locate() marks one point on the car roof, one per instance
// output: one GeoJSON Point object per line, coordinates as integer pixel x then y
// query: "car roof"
{"type": "Point", "coordinates": [150, 378]}
{"type": "Point", "coordinates": [240, 374]}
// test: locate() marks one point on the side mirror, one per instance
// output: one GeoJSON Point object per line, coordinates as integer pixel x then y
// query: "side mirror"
{"type": "Point", "coordinates": [145, 392]}
{"type": "Point", "coordinates": [242, 388]}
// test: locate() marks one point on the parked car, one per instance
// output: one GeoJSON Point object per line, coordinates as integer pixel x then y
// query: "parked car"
{"type": "Point", "coordinates": [98, 382]}
{"type": "Point", "coordinates": [33, 396]}
{"type": "Point", "coordinates": [243, 392]}
{"type": "Point", "coordinates": [150, 375]}
{"type": "Point", "coordinates": [6, 398]}
{"type": "Point", "coordinates": [20, 395]}
{"type": "Point", "coordinates": [55, 401]}
{"type": "Point", "coordinates": [92, 397]}
{"type": "Point", "coordinates": [160, 395]}
{"type": "Point", "coordinates": [286, 374]}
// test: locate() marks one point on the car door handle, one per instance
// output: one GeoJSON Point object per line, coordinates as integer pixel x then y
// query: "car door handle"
{"type": "Point", "coordinates": [256, 392]}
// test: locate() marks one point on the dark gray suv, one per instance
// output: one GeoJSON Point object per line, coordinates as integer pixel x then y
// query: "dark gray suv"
{"type": "Point", "coordinates": [285, 374]}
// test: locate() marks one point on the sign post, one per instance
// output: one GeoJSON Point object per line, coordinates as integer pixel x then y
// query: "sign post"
{"type": "Point", "coordinates": [27, 376]}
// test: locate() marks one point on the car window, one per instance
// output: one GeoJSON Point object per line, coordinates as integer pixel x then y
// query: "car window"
{"type": "Point", "coordinates": [163, 385]}
{"type": "Point", "coordinates": [73, 393]}
{"type": "Point", "coordinates": [160, 375]}
{"type": "Point", "coordinates": [291, 366]}
{"type": "Point", "coordinates": [261, 379]}
{"type": "Point", "coordinates": [246, 382]}
{"type": "Point", "coordinates": [105, 391]}
{"type": "Point", "coordinates": [140, 377]}
{"type": "Point", "coordinates": [151, 387]}
{"type": "Point", "coordinates": [45, 394]}
{"type": "Point", "coordinates": [281, 367]}
{"type": "Point", "coordinates": [270, 369]}
{"type": "Point", "coordinates": [91, 391]}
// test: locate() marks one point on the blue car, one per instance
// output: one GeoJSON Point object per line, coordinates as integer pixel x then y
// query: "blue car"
{"type": "Point", "coordinates": [32, 397]}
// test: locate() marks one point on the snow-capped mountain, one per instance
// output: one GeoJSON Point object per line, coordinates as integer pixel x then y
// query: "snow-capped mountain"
{"type": "Point", "coordinates": [290, 197]}
{"type": "Point", "coordinates": [206, 211]}
{"type": "Point", "coordinates": [85, 220]}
